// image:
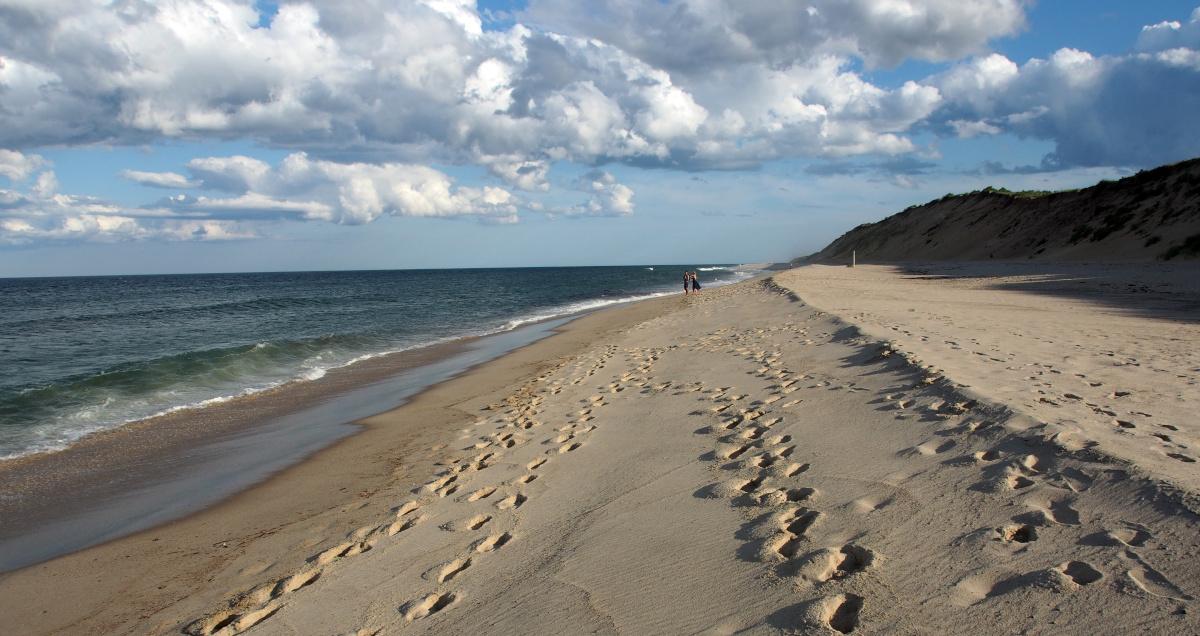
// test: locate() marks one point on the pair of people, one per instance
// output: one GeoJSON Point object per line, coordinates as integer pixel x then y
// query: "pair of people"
{"type": "Point", "coordinates": [690, 277]}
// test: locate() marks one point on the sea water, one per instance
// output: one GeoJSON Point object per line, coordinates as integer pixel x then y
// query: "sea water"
{"type": "Point", "coordinates": [84, 354]}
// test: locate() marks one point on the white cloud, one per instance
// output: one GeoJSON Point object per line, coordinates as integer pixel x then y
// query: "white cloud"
{"type": "Point", "coordinates": [965, 129]}
{"type": "Point", "coordinates": [250, 205]}
{"type": "Point", "coordinates": [684, 84]}
{"type": "Point", "coordinates": [608, 197]}
{"type": "Point", "coordinates": [524, 174]}
{"type": "Point", "coordinates": [16, 166]}
{"type": "Point", "coordinates": [1136, 109]}
{"type": "Point", "coordinates": [242, 193]}
{"type": "Point", "coordinates": [158, 179]}
{"type": "Point", "coordinates": [348, 193]}
{"type": "Point", "coordinates": [42, 214]}
{"type": "Point", "coordinates": [115, 228]}
{"type": "Point", "coordinates": [236, 174]}
{"type": "Point", "coordinates": [693, 36]}
{"type": "Point", "coordinates": [1180, 57]}
{"type": "Point", "coordinates": [365, 94]}
{"type": "Point", "coordinates": [1171, 34]}
{"type": "Point", "coordinates": [978, 81]}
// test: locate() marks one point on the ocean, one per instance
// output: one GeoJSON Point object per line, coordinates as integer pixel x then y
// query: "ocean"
{"type": "Point", "coordinates": [85, 354]}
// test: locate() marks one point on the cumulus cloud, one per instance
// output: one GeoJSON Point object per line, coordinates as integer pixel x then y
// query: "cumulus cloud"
{"type": "Point", "coordinates": [238, 193]}
{"type": "Point", "coordinates": [1171, 34]}
{"type": "Point", "coordinates": [966, 129]}
{"type": "Point", "coordinates": [114, 228]}
{"type": "Point", "coordinates": [347, 193]}
{"type": "Point", "coordinates": [421, 80]}
{"type": "Point", "coordinates": [41, 214]}
{"type": "Point", "coordinates": [692, 37]}
{"type": "Point", "coordinates": [365, 95]}
{"type": "Point", "coordinates": [16, 166]}
{"type": "Point", "coordinates": [683, 84]}
{"type": "Point", "coordinates": [521, 173]}
{"type": "Point", "coordinates": [608, 197]}
{"type": "Point", "coordinates": [1135, 109]}
{"type": "Point", "coordinates": [158, 179]}
{"type": "Point", "coordinates": [235, 174]}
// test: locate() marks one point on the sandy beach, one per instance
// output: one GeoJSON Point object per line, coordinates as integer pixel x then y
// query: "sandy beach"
{"type": "Point", "coordinates": [949, 449]}
{"type": "Point", "coordinates": [545, 318]}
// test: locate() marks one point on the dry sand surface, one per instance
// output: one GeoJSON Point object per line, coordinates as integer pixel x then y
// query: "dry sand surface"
{"type": "Point", "coordinates": [1107, 354]}
{"type": "Point", "coordinates": [742, 461]}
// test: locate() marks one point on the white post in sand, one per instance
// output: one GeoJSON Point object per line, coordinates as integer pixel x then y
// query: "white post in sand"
{"type": "Point", "coordinates": [853, 258]}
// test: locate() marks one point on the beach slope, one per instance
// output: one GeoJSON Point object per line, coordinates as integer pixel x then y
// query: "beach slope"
{"type": "Point", "coordinates": [750, 460]}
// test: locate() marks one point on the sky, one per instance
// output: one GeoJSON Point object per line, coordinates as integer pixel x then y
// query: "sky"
{"type": "Point", "coordinates": [175, 136]}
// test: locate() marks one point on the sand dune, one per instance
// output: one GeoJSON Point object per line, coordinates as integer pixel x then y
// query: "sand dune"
{"type": "Point", "coordinates": [1153, 215]}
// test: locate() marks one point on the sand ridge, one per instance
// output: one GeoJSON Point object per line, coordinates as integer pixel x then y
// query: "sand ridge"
{"type": "Point", "coordinates": [1101, 352]}
{"type": "Point", "coordinates": [749, 463]}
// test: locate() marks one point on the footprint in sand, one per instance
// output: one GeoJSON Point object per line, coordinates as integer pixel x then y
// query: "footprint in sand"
{"type": "Point", "coordinates": [987, 456]}
{"type": "Point", "coordinates": [931, 447]}
{"type": "Point", "coordinates": [1016, 481]}
{"type": "Point", "coordinates": [482, 493]}
{"type": "Point", "coordinates": [1054, 512]}
{"type": "Point", "coordinates": [764, 460]}
{"type": "Point", "coordinates": [733, 452]}
{"type": "Point", "coordinates": [447, 571]}
{"type": "Point", "coordinates": [342, 550]}
{"type": "Point", "coordinates": [866, 505]}
{"type": "Point", "coordinates": [828, 564]}
{"type": "Point", "coordinates": [253, 607]}
{"type": "Point", "coordinates": [511, 502]}
{"type": "Point", "coordinates": [750, 485]}
{"type": "Point", "coordinates": [1133, 537]}
{"type": "Point", "coordinates": [471, 523]}
{"type": "Point", "coordinates": [231, 622]}
{"type": "Point", "coordinates": [295, 582]}
{"type": "Point", "coordinates": [753, 432]}
{"type": "Point", "coordinates": [1019, 533]}
{"type": "Point", "coordinates": [493, 543]}
{"type": "Point", "coordinates": [440, 483]}
{"type": "Point", "coordinates": [400, 525]}
{"type": "Point", "coordinates": [428, 606]}
{"type": "Point", "coordinates": [1080, 573]}
{"type": "Point", "coordinates": [800, 494]}
{"type": "Point", "coordinates": [797, 524]}
{"type": "Point", "coordinates": [841, 612]}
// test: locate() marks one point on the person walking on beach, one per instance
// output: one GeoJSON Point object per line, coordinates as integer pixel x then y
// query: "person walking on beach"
{"type": "Point", "coordinates": [695, 283]}
{"type": "Point", "coordinates": [687, 278]}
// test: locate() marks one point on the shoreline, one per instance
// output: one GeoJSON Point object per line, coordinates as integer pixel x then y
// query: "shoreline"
{"type": "Point", "coordinates": [143, 473]}
{"type": "Point", "coordinates": [59, 502]}
{"type": "Point", "coordinates": [326, 477]}
{"type": "Point", "coordinates": [360, 362]}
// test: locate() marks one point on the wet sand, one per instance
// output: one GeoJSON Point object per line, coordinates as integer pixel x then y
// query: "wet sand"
{"type": "Point", "coordinates": [152, 471]}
